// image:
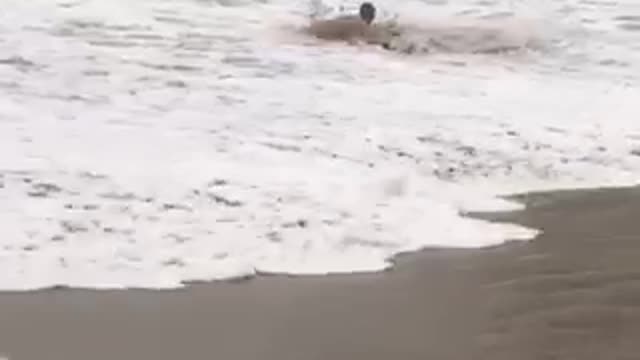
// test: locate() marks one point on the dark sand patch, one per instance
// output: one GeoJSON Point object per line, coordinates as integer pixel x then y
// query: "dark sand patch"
{"type": "Point", "coordinates": [573, 293]}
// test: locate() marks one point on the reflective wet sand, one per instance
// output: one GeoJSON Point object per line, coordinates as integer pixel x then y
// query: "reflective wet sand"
{"type": "Point", "coordinates": [573, 293]}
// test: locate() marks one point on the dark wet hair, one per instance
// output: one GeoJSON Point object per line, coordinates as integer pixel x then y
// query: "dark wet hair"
{"type": "Point", "coordinates": [367, 12]}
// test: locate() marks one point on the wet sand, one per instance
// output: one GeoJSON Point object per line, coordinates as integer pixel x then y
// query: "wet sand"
{"type": "Point", "coordinates": [573, 293]}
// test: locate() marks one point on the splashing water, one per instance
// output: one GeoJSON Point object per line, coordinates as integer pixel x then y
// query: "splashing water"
{"type": "Point", "coordinates": [153, 143]}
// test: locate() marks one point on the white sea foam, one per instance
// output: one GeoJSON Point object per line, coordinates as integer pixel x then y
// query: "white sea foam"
{"type": "Point", "coordinates": [152, 143]}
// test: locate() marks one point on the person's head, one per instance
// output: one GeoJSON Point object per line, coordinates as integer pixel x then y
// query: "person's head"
{"type": "Point", "coordinates": [367, 12]}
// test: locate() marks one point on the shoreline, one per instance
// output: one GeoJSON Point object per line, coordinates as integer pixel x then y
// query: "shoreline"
{"type": "Point", "coordinates": [571, 292]}
{"type": "Point", "coordinates": [509, 217]}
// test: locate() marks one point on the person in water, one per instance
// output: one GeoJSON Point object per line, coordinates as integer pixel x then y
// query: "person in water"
{"type": "Point", "coordinates": [350, 28]}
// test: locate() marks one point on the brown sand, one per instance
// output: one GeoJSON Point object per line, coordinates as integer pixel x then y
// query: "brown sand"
{"type": "Point", "coordinates": [573, 293]}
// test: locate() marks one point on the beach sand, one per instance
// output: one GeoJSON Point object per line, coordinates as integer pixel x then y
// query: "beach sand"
{"type": "Point", "coordinates": [573, 293]}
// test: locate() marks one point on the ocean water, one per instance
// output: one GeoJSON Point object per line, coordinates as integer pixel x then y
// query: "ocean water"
{"type": "Point", "coordinates": [154, 143]}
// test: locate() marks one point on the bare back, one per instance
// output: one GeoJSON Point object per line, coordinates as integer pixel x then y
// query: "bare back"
{"type": "Point", "coordinates": [347, 28]}
{"type": "Point", "coordinates": [343, 28]}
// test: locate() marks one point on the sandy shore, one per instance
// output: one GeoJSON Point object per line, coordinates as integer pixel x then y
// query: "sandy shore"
{"type": "Point", "coordinates": [573, 293]}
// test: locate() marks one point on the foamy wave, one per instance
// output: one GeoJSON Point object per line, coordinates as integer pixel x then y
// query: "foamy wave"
{"type": "Point", "coordinates": [464, 36]}
{"type": "Point", "coordinates": [180, 141]}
